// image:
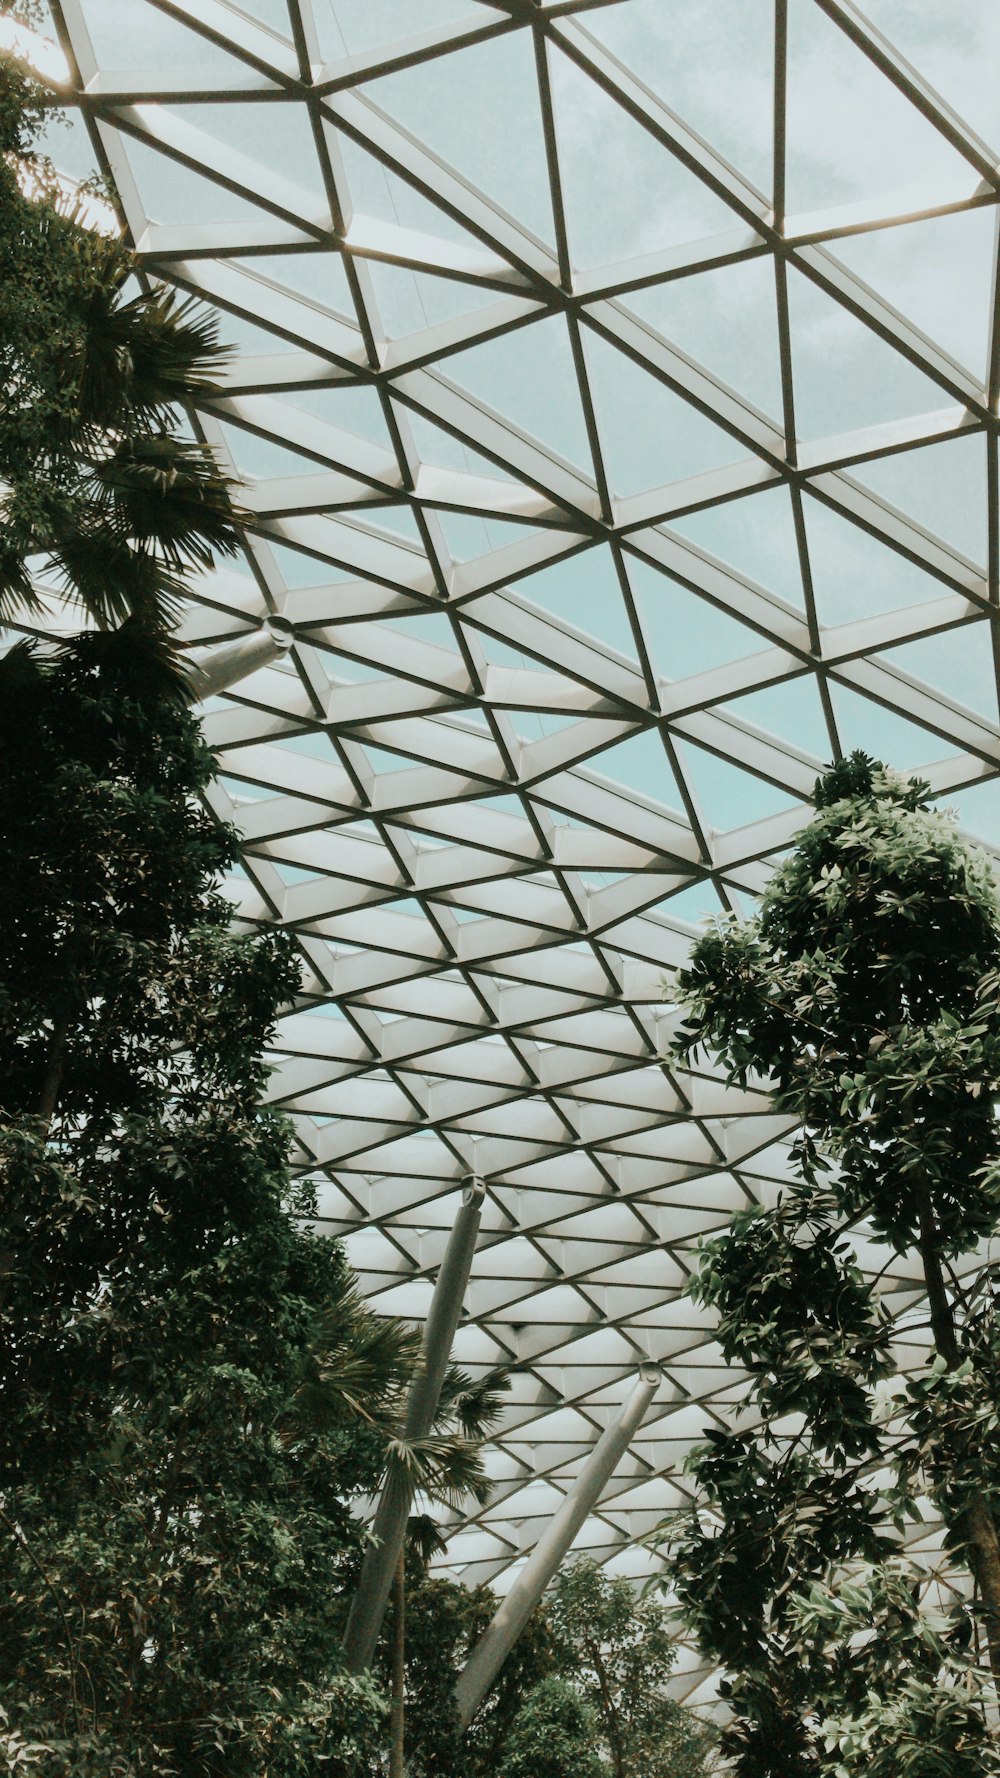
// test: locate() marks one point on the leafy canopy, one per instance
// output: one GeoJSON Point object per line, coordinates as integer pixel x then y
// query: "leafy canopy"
{"type": "Point", "coordinates": [175, 1526]}
{"type": "Point", "coordinates": [864, 996]}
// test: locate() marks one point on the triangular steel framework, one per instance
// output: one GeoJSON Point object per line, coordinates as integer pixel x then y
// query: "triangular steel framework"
{"type": "Point", "coordinates": [617, 388]}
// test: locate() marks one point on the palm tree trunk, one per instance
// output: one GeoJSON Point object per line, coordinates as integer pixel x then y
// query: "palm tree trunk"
{"type": "Point", "coordinates": [984, 1545]}
{"type": "Point", "coordinates": [398, 1670]}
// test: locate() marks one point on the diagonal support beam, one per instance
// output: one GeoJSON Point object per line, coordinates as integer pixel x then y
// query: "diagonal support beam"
{"type": "Point", "coordinates": [212, 670]}
{"type": "Point", "coordinates": [509, 1620]}
{"type": "Point", "coordinates": [368, 1607]}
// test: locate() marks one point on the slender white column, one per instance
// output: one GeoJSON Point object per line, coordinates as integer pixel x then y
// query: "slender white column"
{"type": "Point", "coordinates": [212, 670]}
{"type": "Point", "coordinates": [509, 1620]}
{"type": "Point", "coordinates": [389, 1529]}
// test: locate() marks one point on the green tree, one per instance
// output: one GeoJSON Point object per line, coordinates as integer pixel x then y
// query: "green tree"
{"type": "Point", "coordinates": [865, 994]}
{"type": "Point", "coordinates": [553, 1735]}
{"type": "Point", "coordinates": [97, 478]}
{"type": "Point", "coordinates": [618, 1650]}
{"type": "Point", "coordinates": [175, 1532]}
{"type": "Point", "coordinates": [444, 1621]}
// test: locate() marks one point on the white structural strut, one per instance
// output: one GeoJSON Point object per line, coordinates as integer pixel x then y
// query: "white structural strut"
{"type": "Point", "coordinates": [368, 1607]}
{"type": "Point", "coordinates": [509, 1620]}
{"type": "Point", "coordinates": [215, 669]}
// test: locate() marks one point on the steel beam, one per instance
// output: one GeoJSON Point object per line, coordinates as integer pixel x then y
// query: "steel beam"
{"type": "Point", "coordinates": [388, 1531]}
{"type": "Point", "coordinates": [212, 670]}
{"type": "Point", "coordinates": [509, 1620]}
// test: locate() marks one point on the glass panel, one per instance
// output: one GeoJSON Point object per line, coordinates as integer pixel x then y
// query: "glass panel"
{"type": "Point", "coordinates": [938, 274]}
{"type": "Point", "coordinates": [649, 436]}
{"type": "Point", "coordinates": [755, 535]}
{"type": "Point", "coordinates": [726, 319]}
{"type": "Point", "coordinates": [710, 61]}
{"type": "Point", "coordinates": [451, 104]}
{"type": "Point", "coordinates": [624, 193]}
{"type": "Point", "coordinates": [846, 377]}
{"type": "Point", "coordinates": [850, 132]}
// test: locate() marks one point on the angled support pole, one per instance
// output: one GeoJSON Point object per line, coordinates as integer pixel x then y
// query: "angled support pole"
{"type": "Point", "coordinates": [509, 1620]}
{"type": "Point", "coordinates": [371, 1598]}
{"type": "Point", "coordinates": [212, 670]}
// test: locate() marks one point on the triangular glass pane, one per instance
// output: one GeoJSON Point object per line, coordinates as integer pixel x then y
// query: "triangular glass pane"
{"type": "Point", "coordinates": [583, 590]}
{"type": "Point", "coordinates": [727, 796]}
{"type": "Point", "coordinates": [977, 808]}
{"type": "Point", "coordinates": [530, 378]}
{"type": "Point", "coordinates": [956, 48]}
{"type": "Point", "coordinates": [711, 61]}
{"type": "Point", "coordinates": [297, 569]}
{"type": "Point", "coordinates": [883, 734]}
{"type": "Point", "coordinates": [791, 710]}
{"type": "Point", "coordinates": [471, 535]}
{"type": "Point", "coordinates": [649, 436]}
{"type": "Point", "coordinates": [685, 635]}
{"type": "Point", "coordinates": [127, 37]}
{"type": "Point", "coordinates": [253, 455]}
{"type": "Point", "coordinates": [850, 132]}
{"type": "Point", "coordinates": [846, 377]}
{"type": "Point", "coordinates": [272, 13]}
{"type": "Point", "coordinates": [318, 276]}
{"type": "Point", "coordinates": [943, 486]}
{"type": "Point", "coordinates": [728, 320]}
{"type": "Point", "coordinates": [246, 337]}
{"type": "Point", "coordinates": [353, 27]}
{"type": "Point", "coordinates": [756, 536]}
{"type": "Point", "coordinates": [958, 662]}
{"type": "Point", "coordinates": [452, 103]}
{"type": "Point", "coordinates": [939, 274]}
{"type": "Point", "coordinates": [855, 576]}
{"type": "Point", "coordinates": [408, 301]}
{"type": "Point", "coordinates": [64, 137]}
{"type": "Point", "coordinates": [351, 409]}
{"type": "Point", "coordinates": [624, 193]}
{"type": "Point", "coordinates": [699, 901]}
{"type": "Point", "coordinates": [278, 137]}
{"type": "Point", "coordinates": [172, 193]}
{"type": "Point", "coordinates": [428, 626]}
{"type": "Point", "coordinates": [440, 450]}
{"type": "Point", "coordinates": [641, 764]}
{"type": "Point", "coordinates": [375, 191]}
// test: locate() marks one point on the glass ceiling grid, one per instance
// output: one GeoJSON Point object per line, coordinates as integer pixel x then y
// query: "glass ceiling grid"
{"type": "Point", "coordinates": [619, 424]}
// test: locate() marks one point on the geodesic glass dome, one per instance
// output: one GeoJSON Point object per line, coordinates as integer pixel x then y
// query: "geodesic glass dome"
{"type": "Point", "coordinates": [616, 389]}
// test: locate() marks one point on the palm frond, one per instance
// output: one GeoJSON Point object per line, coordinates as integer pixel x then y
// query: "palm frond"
{"type": "Point", "coordinates": [423, 1538]}
{"type": "Point", "coordinates": [474, 1407]}
{"type": "Point", "coordinates": [358, 1367]}
{"type": "Point", "coordinates": [171, 492]}
{"type": "Point", "coordinates": [102, 571]}
{"type": "Point", "coordinates": [144, 355]}
{"type": "Point", "coordinates": [444, 1467]}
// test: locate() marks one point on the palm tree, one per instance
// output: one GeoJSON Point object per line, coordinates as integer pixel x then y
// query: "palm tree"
{"type": "Point", "coordinates": [446, 1467]}
{"type": "Point", "coordinates": [98, 486]}
{"type": "Point", "coordinates": [362, 1364]}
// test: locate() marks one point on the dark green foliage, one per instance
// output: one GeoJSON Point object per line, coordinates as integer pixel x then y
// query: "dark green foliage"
{"type": "Point", "coordinates": [592, 1634]}
{"type": "Point", "coordinates": [97, 479]}
{"type": "Point", "coordinates": [865, 991]}
{"type": "Point", "coordinates": [443, 1622]}
{"type": "Point", "coordinates": [553, 1735]}
{"type": "Point", "coordinates": [175, 1531]}
{"type": "Point", "coordinates": [618, 1650]}
{"type": "Point", "coordinates": [864, 994]}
